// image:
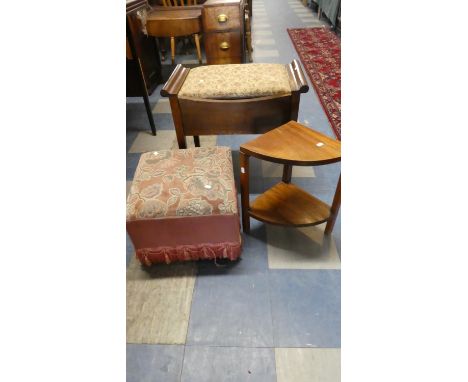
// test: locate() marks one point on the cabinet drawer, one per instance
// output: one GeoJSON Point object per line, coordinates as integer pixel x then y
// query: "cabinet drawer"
{"type": "Point", "coordinates": [223, 45]}
{"type": "Point", "coordinates": [221, 18]}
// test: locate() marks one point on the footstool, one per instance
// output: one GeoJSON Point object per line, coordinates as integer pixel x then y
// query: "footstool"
{"type": "Point", "coordinates": [182, 205]}
{"type": "Point", "coordinates": [233, 98]}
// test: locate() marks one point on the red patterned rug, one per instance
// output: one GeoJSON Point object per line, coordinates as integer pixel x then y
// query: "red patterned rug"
{"type": "Point", "coordinates": [320, 53]}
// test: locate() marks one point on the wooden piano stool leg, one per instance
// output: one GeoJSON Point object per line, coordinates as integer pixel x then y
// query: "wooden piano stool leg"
{"type": "Point", "coordinates": [244, 183]}
{"type": "Point", "coordinates": [177, 117]}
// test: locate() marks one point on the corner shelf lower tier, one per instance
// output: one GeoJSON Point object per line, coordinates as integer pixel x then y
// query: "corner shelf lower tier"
{"type": "Point", "coordinates": [288, 204]}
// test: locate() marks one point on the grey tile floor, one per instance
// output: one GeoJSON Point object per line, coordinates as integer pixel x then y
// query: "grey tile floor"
{"type": "Point", "coordinates": [248, 321]}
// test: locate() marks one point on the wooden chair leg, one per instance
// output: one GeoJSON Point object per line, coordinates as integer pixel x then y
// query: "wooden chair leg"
{"type": "Point", "coordinates": [196, 140]}
{"type": "Point", "coordinates": [335, 207]}
{"type": "Point", "coordinates": [173, 50]}
{"type": "Point", "coordinates": [244, 183]}
{"type": "Point", "coordinates": [197, 43]}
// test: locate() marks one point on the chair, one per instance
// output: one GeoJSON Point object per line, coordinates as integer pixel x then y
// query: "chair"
{"type": "Point", "coordinates": [176, 19]}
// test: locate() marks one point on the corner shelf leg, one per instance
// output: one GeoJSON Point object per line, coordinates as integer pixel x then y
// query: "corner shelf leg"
{"type": "Point", "coordinates": [335, 207]}
{"type": "Point", "coordinates": [287, 173]}
{"type": "Point", "coordinates": [244, 183]}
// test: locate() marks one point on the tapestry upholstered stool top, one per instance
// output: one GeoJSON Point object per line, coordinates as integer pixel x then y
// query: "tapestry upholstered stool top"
{"type": "Point", "coordinates": [182, 205]}
{"type": "Point", "coordinates": [236, 81]}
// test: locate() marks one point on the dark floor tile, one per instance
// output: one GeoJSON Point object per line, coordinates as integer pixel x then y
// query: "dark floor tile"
{"type": "Point", "coordinates": [154, 363]}
{"type": "Point", "coordinates": [164, 121]}
{"type": "Point", "coordinates": [228, 364]}
{"type": "Point", "coordinates": [254, 258]}
{"type": "Point", "coordinates": [132, 163]}
{"type": "Point", "coordinates": [306, 308]}
{"type": "Point", "coordinates": [231, 310]}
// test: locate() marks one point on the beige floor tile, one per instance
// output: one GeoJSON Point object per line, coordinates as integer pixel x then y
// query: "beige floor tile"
{"type": "Point", "coordinates": [165, 139]}
{"type": "Point", "coordinates": [264, 33]}
{"type": "Point", "coordinates": [301, 248]}
{"type": "Point", "coordinates": [162, 106]}
{"type": "Point", "coordinates": [205, 141]}
{"type": "Point", "coordinates": [264, 53]}
{"type": "Point", "coordinates": [275, 170]}
{"type": "Point", "coordinates": [145, 142]}
{"type": "Point", "coordinates": [308, 365]}
{"type": "Point", "coordinates": [190, 61]}
{"type": "Point", "coordinates": [260, 19]}
{"type": "Point", "coordinates": [261, 26]}
{"type": "Point", "coordinates": [158, 302]}
{"type": "Point", "coordinates": [264, 41]}
{"type": "Point", "coordinates": [308, 18]}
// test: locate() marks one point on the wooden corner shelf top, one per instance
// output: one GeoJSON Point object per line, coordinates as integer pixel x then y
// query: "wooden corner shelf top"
{"type": "Point", "coordinates": [294, 144]}
{"type": "Point", "coordinates": [286, 204]}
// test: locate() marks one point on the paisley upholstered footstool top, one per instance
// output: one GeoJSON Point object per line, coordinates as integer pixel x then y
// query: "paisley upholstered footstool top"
{"type": "Point", "coordinates": [182, 205]}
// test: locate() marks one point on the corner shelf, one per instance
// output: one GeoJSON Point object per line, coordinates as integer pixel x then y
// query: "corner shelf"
{"type": "Point", "coordinates": [289, 205]}
{"type": "Point", "coordinates": [291, 144]}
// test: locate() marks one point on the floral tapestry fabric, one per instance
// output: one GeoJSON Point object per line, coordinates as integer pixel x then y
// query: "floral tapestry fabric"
{"type": "Point", "coordinates": [193, 182]}
{"type": "Point", "coordinates": [236, 81]}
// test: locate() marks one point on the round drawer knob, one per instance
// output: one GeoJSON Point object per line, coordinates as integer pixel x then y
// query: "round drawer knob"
{"type": "Point", "coordinates": [222, 18]}
{"type": "Point", "coordinates": [224, 45]}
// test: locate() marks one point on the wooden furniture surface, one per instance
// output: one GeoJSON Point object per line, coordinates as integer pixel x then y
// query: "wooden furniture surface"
{"type": "Point", "coordinates": [197, 116]}
{"type": "Point", "coordinates": [173, 21]}
{"type": "Point", "coordinates": [176, 20]}
{"type": "Point", "coordinates": [146, 50]}
{"type": "Point", "coordinates": [224, 27]}
{"type": "Point", "coordinates": [291, 144]}
{"type": "Point", "coordinates": [285, 203]}
{"type": "Point", "coordinates": [143, 65]}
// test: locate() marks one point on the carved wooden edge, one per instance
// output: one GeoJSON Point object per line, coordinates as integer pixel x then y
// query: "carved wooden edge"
{"type": "Point", "coordinates": [133, 5]}
{"type": "Point", "coordinates": [175, 81]}
{"type": "Point", "coordinates": [297, 79]}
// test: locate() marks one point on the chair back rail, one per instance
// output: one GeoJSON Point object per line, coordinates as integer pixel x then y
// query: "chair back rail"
{"type": "Point", "coordinates": [178, 3]}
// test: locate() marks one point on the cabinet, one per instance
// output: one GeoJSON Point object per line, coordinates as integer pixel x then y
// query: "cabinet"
{"type": "Point", "coordinates": [147, 54]}
{"type": "Point", "coordinates": [224, 29]}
